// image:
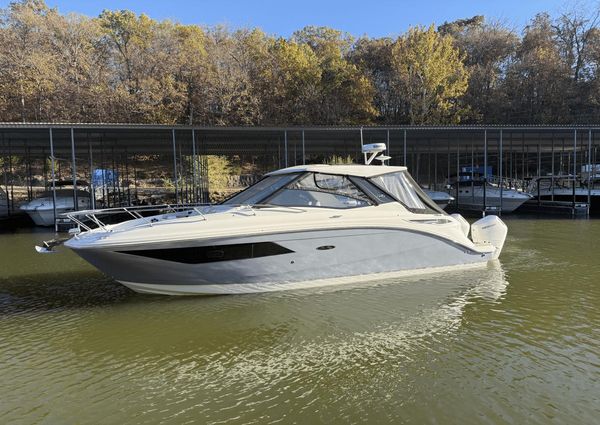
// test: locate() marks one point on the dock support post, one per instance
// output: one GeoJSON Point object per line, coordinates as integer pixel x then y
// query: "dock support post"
{"type": "Point", "coordinates": [175, 176]}
{"type": "Point", "coordinates": [127, 177]}
{"type": "Point", "coordinates": [448, 162]}
{"type": "Point", "coordinates": [501, 171]}
{"type": "Point", "coordinates": [92, 188]}
{"type": "Point", "coordinates": [485, 176]}
{"type": "Point", "coordinates": [361, 145]}
{"type": "Point", "coordinates": [404, 153]}
{"type": "Point", "coordinates": [457, 183]}
{"type": "Point", "coordinates": [387, 142]}
{"type": "Point", "coordinates": [29, 177]}
{"type": "Point", "coordinates": [591, 166]}
{"type": "Point", "coordinates": [285, 147]}
{"type": "Point", "coordinates": [10, 196]}
{"type": "Point", "coordinates": [473, 175]}
{"type": "Point", "coordinates": [194, 169]}
{"type": "Point", "coordinates": [303, 150]}
{"type": "Point", "coordinates": [539, 156]}
{"type": "Point", "coordinates": [5, 173]}
{"type": "Point", "coordinates": [74, 170]}
{"type": "Point", "coordinates": [552, 171]}
{"type": "Point", "coordinates": [574, 165]}
{"type": "Point", "coordinates": [53, 178]}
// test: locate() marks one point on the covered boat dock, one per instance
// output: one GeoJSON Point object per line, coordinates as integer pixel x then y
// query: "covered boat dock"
{"type": "Point", "coordinates": [128, 164]}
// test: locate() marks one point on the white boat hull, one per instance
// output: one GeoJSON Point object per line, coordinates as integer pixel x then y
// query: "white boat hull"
{"type": "Point", "coordinates": [251, 288]}
{"type": "Point", "coordinates": [313, 259]}
{"type": "Point", "coordinates": [41, 210]}
{"type": "Point", "coordinates": [442, 199]}
{"type": "Point", "coordinates": [44, 217]}
{"type": "Point", "coordinates": [508, 205]}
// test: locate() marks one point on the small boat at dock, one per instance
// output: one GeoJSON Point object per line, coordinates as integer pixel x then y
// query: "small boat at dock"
{"type": "Point", "coordinates": [42, 209]}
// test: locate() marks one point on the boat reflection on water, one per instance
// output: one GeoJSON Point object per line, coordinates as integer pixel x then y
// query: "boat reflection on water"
{"type": "Point", "coordinates": [300, 335]}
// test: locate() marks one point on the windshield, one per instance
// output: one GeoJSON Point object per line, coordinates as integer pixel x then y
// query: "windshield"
{"type": "Point", "coordinates": [261, 190]}
{"type": "Point", "coordinates": [402, 187]}
{"type": "Point", "coordinates": [321, 190]}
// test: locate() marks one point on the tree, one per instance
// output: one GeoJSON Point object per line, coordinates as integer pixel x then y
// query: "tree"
{"type": "Point", "coordinates": [230, 97]}
{"type": "Point", "coordinates": [537, 82]}
{"type": "Point", "coordinates": [124, 67]}
{"type": "Point", "coordinates": [28, 68]}
{"type": "Point", "coordinates": [488, 50]}
{"type": "Point", "coordinates": [345, 93]}
{"type": "Point", "coordinates": [374, 58]}
{"type": "Point", "coordinates": [430, 76]}
{"type": "Point", "coordinates": [144, 52]}
{"type": "Point", "coordinates": [190, 68]}
{"type": "Point", "coordinates": [288, 81]}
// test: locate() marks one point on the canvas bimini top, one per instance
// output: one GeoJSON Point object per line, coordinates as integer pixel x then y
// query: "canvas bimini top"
{"type": "Point", "coordinates": [344, 170]}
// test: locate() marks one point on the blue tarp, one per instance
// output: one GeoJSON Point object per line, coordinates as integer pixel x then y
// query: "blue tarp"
{"type": "Point", "coordinates": [104, 177]}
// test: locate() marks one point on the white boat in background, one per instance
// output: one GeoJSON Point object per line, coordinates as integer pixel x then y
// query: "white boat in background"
{"type": "Point", "coordinates": [565, 189]}
{"type": "Point", "coordinates": [442, 199]}
{"type": "Point", "coordinates": [298, 227]}
{"type": "Point", "coordinates": [42, 211]}
{"type": "Point", "coordinates": [470, 195]}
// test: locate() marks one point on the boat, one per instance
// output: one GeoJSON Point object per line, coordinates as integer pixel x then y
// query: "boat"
{"type": "Point", "coordinates": [442, 199]}
{"type": "Point", "coordinates": [41, 210]}
{"type": "Point", "coordinates": [567, 189]}
{"type": "Point", "coordinates": [471, 192]}
{"type": "Point", "coordinates": [298, 227]}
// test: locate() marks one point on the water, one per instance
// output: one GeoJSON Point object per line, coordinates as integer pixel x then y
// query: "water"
{"type": "Point", "coordinates": [516, 342]}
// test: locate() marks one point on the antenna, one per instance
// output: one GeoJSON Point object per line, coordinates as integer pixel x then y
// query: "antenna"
{"type": "Point", "coordinates": [372, 150]}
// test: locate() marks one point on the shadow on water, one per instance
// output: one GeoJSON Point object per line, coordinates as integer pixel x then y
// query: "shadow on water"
{"type": "Point", "coordinates": [60, 290]}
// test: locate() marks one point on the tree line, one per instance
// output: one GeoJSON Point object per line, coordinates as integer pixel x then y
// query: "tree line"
{"type": "Point", "coordinates": [123, 67]}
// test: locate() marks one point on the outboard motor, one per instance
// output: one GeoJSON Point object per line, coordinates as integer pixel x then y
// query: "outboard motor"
{"type": "Point", "coordinates": [490, 230]}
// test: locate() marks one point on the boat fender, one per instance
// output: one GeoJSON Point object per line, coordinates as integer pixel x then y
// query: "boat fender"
{"type": "Point", "coordinates": [464, 224]}
{"type": "Point", "coordinates": [490, 230]}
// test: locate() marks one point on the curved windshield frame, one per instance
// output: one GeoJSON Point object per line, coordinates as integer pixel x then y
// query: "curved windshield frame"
{"type": "Point", "coordinates": [321, 190]}
{"type": "Point", "coordinates": [258, 192]}
{"type": "Point", "coordinates": [401, 186]}
{"type": "Point", "coordinates": [313, 189]}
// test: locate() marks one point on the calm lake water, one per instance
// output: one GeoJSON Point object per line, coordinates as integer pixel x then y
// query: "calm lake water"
{"type": "Point", "coordinates": [517, 342]}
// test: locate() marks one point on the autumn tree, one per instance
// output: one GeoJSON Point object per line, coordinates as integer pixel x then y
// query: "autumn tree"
{"type": "Point", "coordinates": [430, 76]}
{"type": "Point", "coordinates": [488, 50]}
{"type": "Point", "coordinates": [289, 78]}
{"type": "Point", "coordinates": [345, 94]}
{"type": "Point", "coordinates": [537, 82]}
{"type": "Point", "coordinates": [124, 67]}
{"type": "Point", "coordinates": [28, 68]}
{"type": "Point", "coordinates": [374, 58]}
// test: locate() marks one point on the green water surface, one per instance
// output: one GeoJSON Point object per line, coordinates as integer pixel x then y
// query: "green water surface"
{"type": "Point", "coordinates": [516, 342]}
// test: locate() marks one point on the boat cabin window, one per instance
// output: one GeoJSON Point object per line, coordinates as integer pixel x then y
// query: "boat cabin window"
{"type": "Point", "coordinates": [371, 190]}
{"type": "Point", "coordinates": [321, 190]}
{"type": "Point", "coordinates": [402, 187]}
{"type": "Point", "coordinates": [261, 190]}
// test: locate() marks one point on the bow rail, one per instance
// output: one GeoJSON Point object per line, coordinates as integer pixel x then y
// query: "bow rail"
{"type": "Point", "coordinates": [145, 212]}
{"type": "Point", "coordinates": [148, 213]}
